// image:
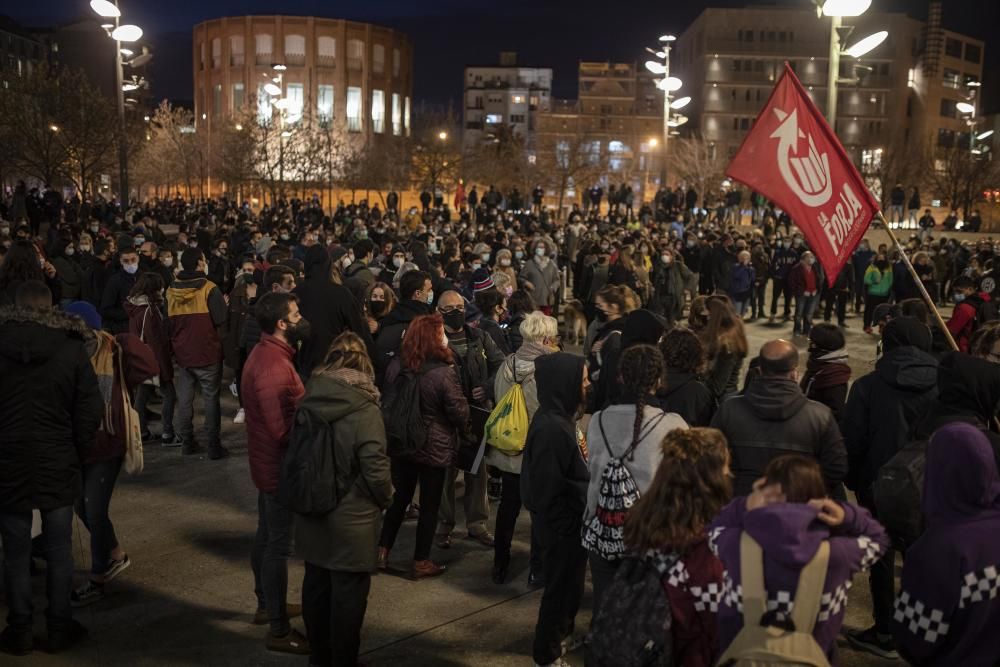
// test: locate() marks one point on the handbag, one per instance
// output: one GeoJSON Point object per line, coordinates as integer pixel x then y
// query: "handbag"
{"type": "Point", "coordinates": [133, 428]}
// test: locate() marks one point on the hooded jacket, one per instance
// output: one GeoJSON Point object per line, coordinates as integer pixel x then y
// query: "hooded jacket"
{"type": "Point", "coordinates": [113, 300]}
{"type": "Point", "coordinates": [345, 540]}
{"type": "Point", "coordinates": [948, 609]}
{"type": "Point", "coordinates": [330, 309]}
{"type": "Point", "coordinates": [963, 319]}
{"type": "Point", "coordinates": [519, 366]}
{"type": "Point", "coordinates": [52, 408]}
{"type": "Point", "coordinates": [146, 321]}
{"type": "Point", "coordinates": [773, 417]}
{"type": "Point", "coordinates": [789, 535]}
{"type": "Point", "coordinates": [554, 475]}
{"type": "Point", "coordinates": [686, 395]}
{"type": "Point", "coordinates": [390, 334]}
{"type": "Point", "coordinates": [196, 310]}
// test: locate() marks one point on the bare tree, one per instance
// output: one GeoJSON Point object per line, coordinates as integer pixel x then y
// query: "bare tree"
{"type": "Point", "coordinates": [898, 161]}
{"type": "Point", "coordinates": [959, 176]}
{"type": "Point", "coordinates": [28, 123]}
{"type": "Point", "coordinates": [234, 150]}
{"type": "Point", "coordinates": [499, 159]}
{"type": "Point", "coordinates": [696, 162]}
{"type": "Point", "coordinates": [568, 161]}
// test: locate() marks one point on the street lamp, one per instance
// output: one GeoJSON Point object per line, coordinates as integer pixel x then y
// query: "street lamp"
{"type": "Point", "coordinates": [837, 10]}
{"type": "Point", "coordinates": [442, 135]}
{"type": "Point", "coordinates": [668, 84]}
{"type": "Point", "coordinates": [105, 9]}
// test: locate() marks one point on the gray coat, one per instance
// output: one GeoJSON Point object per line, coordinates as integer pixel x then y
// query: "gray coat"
{"type": "Point", "coordinates": [345, 539]}
{"type": "Point", "coordinates": [525, 360]}
{"type": "Point", "coordinates": [544, 279]}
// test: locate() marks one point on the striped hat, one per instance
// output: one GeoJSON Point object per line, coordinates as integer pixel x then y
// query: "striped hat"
{"type": "Point", "coordinates": [481, 280]}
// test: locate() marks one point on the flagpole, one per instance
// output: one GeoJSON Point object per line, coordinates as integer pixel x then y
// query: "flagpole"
{"type": "Point", "coordinates": [919, 283]}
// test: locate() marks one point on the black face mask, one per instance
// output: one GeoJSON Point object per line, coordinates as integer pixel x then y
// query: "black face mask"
{"type": "Point", "coordinates": [298, 332]}
{"type": "Point", "coordinates": [377, 308]}
{"type": "Point", "coordinates": [454, 320]}
{"type": "Point", "coordinates": [602, 316]}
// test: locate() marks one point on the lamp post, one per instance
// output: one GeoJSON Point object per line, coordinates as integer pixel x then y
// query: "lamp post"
{"type": "Point", "coordinates": [968, 108]}
{"type": "Point", "coordinates": [275, 89]}
{"type": "Point", "coordinates": [839, 33]}
{"type": "Point", "coordinates": [667, 84]}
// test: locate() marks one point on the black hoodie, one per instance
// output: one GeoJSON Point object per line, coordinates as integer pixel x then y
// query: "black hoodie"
{"type": "Point", "coordinates": [390, 333]}
{"type": "Point", "coordinates": [773, 417]}
{"type": "Point", "coordinates": [686, 395]}
{"type": "Point", "coordinates": [330, 309]}
{"type": "Point", "coordinates": [554, 474]}
{"type": "Point", "coordinates": [884, 406]}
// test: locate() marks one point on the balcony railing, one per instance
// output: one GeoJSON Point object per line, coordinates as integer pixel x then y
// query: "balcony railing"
{"type": "Point", "coordinates": [326, 61]}
{"type": "Point", "coordinates": [298, 59]}
{"type": "Point", "coordinates": [264, 59]}
{"type": "Point", "coordinates": [236, 60]}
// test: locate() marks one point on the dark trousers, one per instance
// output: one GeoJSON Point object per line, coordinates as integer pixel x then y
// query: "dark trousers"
{"type": "Point", "coordinates": [601, 573]}
{"type": "Point", "coordinates": [405, 475]}
{"type": "Point", "coordinates": [272, 547]}
{"type": "Point", "coordinates": [838, 297]}
{"type": "Point", "coordinates": [507, 512]}
{"type": "Point", "coordinates": [871, 302]}
{"type": "Point", "coordinates": [142, 395]}
{"type": "Point", "coordinates": [92, 508]}
{"type": "Point", "coordinates": [57, 534]}
{"type": "Point", "coordinates": [565, 572]}
{"type": "Point", "coordinates": [757, 299]}
{"type": "Point", "coordinates": [241, 362]}
{"type": "Point", "coordinates": [779, 287]}
{"type": "Point", "coordinates": [881, 577]}
{"type": "Point", "coordinates": [333, 607]}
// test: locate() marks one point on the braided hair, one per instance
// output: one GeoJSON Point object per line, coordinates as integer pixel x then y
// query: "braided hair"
{"type": "Point", "coordinates": [641, 368]}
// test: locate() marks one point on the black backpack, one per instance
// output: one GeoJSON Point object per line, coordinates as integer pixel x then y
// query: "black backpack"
{"type": "Point", "coordinates": [308, 481]}
{"type": "Point", "coordinates": [405, 432]}
{"type": "Point", "coordinates": [632, 626]}
{"type": "Point", "coordinates": [898, 489]}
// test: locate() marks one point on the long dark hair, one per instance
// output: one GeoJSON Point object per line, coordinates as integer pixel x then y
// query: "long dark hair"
{"type": "Point", "coordinates": [150, 285]}
{"type": "Point", "coordinates": [20, 264]}
{"type": "Point", "coordinates": [724, 331]}
{"type": "Point", "coordinates": [641, 368]}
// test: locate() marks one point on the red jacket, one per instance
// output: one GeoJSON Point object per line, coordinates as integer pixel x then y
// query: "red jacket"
{"type": "Point", "coordinates": [694, 588]}
{"type": "Point", "coordinates": [147, 322]}
{"type": "Point", "coordinates": [271, 391]}
{"type": "Point", "coordinates": [196, 310]}
{"type": "Point", "coordinates": [963, 319]}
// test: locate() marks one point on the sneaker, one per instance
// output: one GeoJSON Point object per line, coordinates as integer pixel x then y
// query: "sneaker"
{"type": "Point", "coordinates": [189, 447]}
{"type": "Point", "coordinates": [294, 642]}
{"type": "Point", "coordinates": [536, 579]}
{"type": "Point", "coordinates": [217, 452]}
{"type": "Point", "coordinates": [89, 593]}
{"type": "Point", "coordinates": [241, 417]}
{"type": "Point", "coordinates": [233, 390]}
{"type": "Point", "coordinates": [558, 662]}
{"type": "Point", "coordinates": [170, 440]}
{"type": "Point", "coordinates": [291, 610]}
{"type": "Point", "coordinates": [16, 642]}
{"type": "Point", "coordinates": [116, 568]}
{"type": "Point", "coordinates": [874, 642]}
{"type": "Point", "coordinates": [442, 541]}
{"type": "Point", "coordinates": [485, 538]}
{"type": "Point", "coordinates": [65, 638]}
{"type": "Point", "coordinates": [572, 643]}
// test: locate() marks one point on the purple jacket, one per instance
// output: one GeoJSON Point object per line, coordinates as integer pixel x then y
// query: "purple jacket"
{"type": "Point", "coordinates": [948, 610]}
{"type": "Point", "coordinates": [789, 535]}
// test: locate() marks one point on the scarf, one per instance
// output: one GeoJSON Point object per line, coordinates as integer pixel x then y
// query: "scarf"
{"type": "Point", "coordinates": [825, 369]}
{"type": "Point", "coordinates": [353, 378]}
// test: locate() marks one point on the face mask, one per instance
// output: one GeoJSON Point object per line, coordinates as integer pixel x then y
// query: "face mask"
{"type": "Point", "coordinates": [95, 228]}
{"type": "Point", "coordinates": [504, 262]}
{"type": "Point", "coordinates": [786, 244]}
{"type": "Point", "coordinates": [959, 298]}
{"type": "Point", "coordinates": [85, 249]}
{"type": "Point", "coordinates": [363, 235]}
{"type": "Point", "coordinates": [130, 268]}
{"type": "Point", "coordinates": [519, 254]}
{"type": "Point", "coordinates": [446, 230]}
{"type": "Point", "coordinates": [346, 261]}
{"type": "Point", "coordinates": [299, 332]}
{"type": "Point", "coordinates": [139, 241]}
{"type": "Point", "coordinates": [476, 267]}
{"type": "Point", "coordinates": [398, 261]}
{"type": "Point", "coordinates": [796, 243]}
{"type": "Point", "coordinates": [430, 297]}
{"type": "Point", "coordinates": [602, 316]}
{"type": "Point", "coordinates": [454, 320]}
{"type": "Point", "coordinates": [666, 258]}
{"type": "Point", "coordinates": [485, 257]}
{"type": "Point", "coordinates": [70, 250]}
{"type": "Point", "coordinates": [540, 251]}
{"type": "Point", "coordinates": [285, 237]}
{"type": "Point", "coordinates": [167, 262]}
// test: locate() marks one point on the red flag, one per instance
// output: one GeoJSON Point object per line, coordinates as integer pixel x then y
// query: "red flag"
{"type": "Point", "coordinates": [792, 157]}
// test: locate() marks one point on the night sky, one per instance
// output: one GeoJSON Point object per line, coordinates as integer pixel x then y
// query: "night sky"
{"type": "Point", "coordinates": [448, 34]}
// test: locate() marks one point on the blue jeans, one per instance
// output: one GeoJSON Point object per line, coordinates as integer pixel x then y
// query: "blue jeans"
{"type": "Point", "coordinates": [57, 533]}
{"type": "Point", "coordinates": [92, 508]}
{"type": "Point", "coordinates": [142, 395]}
{"type": "Point", "coordinates": [272, 547]}
{"type": "Point", "coordinates": [804, 308]}
{"type": "Point", "coordinates": [209, 379]}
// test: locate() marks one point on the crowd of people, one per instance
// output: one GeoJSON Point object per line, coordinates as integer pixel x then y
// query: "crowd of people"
{"type": "Point", "coordinates": [686, 470]}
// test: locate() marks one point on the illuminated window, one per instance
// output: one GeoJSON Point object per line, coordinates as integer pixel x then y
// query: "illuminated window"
{"type": "Point", "coordinates": [378, 111]}
{"type": "Point", "coordinates": [296, 101]}
{"type": "Point", "coordinates": [397, 115]}
{"type": "Point", "coordinates": [236, 57]}
{"type": "Point", "coordinates": [354, 104]}
{"type": "Point", "coordinates": [324, 103]}
{"type": "Point", "coordinates": [217, 53]}
{"type": "Point", "coordinates": [517, 99]}
{"type": "Point", "coordinates": [263, 105]}
{"type": "Point", "coordinates": [494, 118]}
{"type": "Point", "coordinates": [406, 115]}
{"type": "Point", "coordinates": [239, 96]}
{"type": "Point", "coordinates": [326, 51]}
{"type": "Point", "coordinates": [263, 47]}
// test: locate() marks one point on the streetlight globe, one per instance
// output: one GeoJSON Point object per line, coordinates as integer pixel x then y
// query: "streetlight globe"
{"type": "Point", "coordinates": [846, 7]}
{"type": "Point", "coordinates": [286, 134]}
{"type": "Point", "coordinates": [655, 67]}
{"type": "Point", "coordinates": [965, 107]}
{"type": "Point", "coordinates": [278, 67]}
{"type": "Point", "coordinates": [985, 135]}
{"type": "Point", "coordinates": [670, 84]}
{"type": "Point", "coordinates": [104, 8]}
{"type": "Point", "coordinates": [867, 44]}
{"type": "Point", "coordinates": [54, 128]}
{"type": "Point", "coordinates": [653, 142]}
{"type": "Point", "coordinates": [127, 33]}
{"type": "Point", "coordinates": [281, 104]}
{"type": "Point", "coordinates": [272, 89]}
{"type": "Point", "coordinates": [127, 52]}
{"type": "Point", "coordinates": [239, 128]}
{"type": "Point", "coordinates": [442, 135]}
{"type": "Point", "coordinates": [667, 38]}
{"type": "Point", "coordinates": [129, 87]}
{"type": "Point", "coordinates": [680, 103]}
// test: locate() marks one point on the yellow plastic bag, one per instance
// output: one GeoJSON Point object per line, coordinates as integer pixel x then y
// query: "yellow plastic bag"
{"type": "Point", "coordinates": [507, 426]}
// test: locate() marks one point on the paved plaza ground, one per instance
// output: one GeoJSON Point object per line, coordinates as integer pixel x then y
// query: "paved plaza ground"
{"type": "Point", "coordinates": [188, 524]}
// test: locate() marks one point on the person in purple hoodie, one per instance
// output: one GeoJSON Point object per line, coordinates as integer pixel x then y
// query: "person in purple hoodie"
{"type": "Point", "coordinates": [789, 515]}
{"type": "Point", "coordinates": [948, 609]}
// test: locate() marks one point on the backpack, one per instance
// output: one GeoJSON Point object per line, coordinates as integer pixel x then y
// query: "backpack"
{"type": "Point", "coordinates": [986, 311]}
{"type": "Point", "coordinates": [308, 480]}
{"type": "Point", "coordinates": [760, 645]}
{"type": "Point", "coordinates": [632, 626]}
{"type": "Point", "coordinates": [897, 490]}
{"type": "Point", "coordinates": [604, 534]}
{"type": "Point", "coordinates": [506, 428]}
{"type": "Point", "coordinates": [405, 431]}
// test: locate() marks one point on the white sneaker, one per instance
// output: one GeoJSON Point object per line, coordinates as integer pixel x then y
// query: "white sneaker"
{"type": "Point", "coordinates": [232, 388]}
{"type": "Point", "coordinates": [241, 417]}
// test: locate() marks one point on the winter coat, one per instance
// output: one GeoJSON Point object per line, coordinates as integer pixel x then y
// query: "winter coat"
{"type": "Point", "coordinates": [358, 278]}
{"type": "Point", "coordinates": [150, 326]}
{"type": "Point", "coordinates": [686, 395]}
{"type": "Point", "coordinates": [668, 287]}
{"type": "Point", "coordinates": [782, 262]}
{"type": "Point", "coordinates": [479, 364]}
{"type": "Point", "coordinates": [722, 262]}
{"type": "Point", "coordinates": [742, 281]}
{"type": "Point", "coordinates": [70, 276]}
{"type": "Point", "coordinates": [52, 407]}
{"type": "Point", "coordinates": [617, 422]}
{"type": "Point", "coordinates": [606, 358]}
{"type": "Point", "coordinates": [724, 374]}
{"type": "Point", "coordinates": [692, 587]}
{"type": "Point", "coordinates": [879, 283]}
{"type": "Point", "coordinates": [196, 310]}
{"type": "Point", "coordinates": [544, 278]}
{"type": "Point", "coordinates": [271, 391]}
{"type": "Point", "coordinates": [497, 333]}
{"type": "Point", "coordinates": [113, 301]}
{"type": "Point", "coordinates": [521, 364]}
{"type": "Point", "coordinates": [444, 409]}
{"type": "Point", "coordinates": [963, 319]}
{"type": "Point", "coordinates": [948, 610]}
{"type": "Point", "coordinates": [882, 411]}
{"type": "Point", "coordinates": [390, 335]}
{"type": "Point", "coordinates": [773, 417]}
{"type": "Point", "coordinates": [797, 279]}
{"type": "Point", "coordinates": [554, 475]}
{"type": "Point", "coordinates": [330, 310]}
{"type": "Point", "coordinates": [345, 540]}
{"type": "Point", "coordinates": [789, 536]}
{"type": "Point", "coordinates": [240, 310]}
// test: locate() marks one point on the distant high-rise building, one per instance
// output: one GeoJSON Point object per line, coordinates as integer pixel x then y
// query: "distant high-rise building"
{"type": "Point", "coordinates": [504, 94]}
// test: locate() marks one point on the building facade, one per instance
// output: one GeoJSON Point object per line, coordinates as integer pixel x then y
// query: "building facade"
{"type": "Point", "coordinates": [506, 94]}
{"type": "Point", "coordinates": [357, 77]}
{"type": "Point", "coordinates": [20, 50]}
{"type": "Point", "coordinates": [905, 92]}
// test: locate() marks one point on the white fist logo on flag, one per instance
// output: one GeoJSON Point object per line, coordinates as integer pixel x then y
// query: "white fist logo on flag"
{"type": "Point", "coordinates": [807, 176]}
